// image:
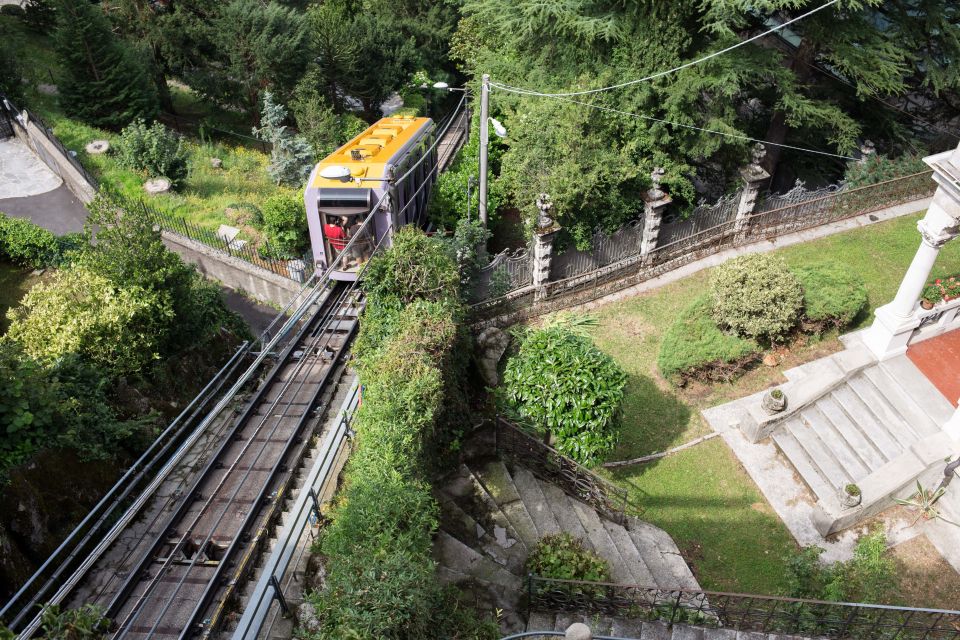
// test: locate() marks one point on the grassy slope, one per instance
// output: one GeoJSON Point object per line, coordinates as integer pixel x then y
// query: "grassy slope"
{"type": "Point", "coordinates": [702, 496]}
{"type": "Point", "coordinates": [207, 192]}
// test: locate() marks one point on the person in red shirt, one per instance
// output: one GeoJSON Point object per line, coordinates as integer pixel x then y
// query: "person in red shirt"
{"type": "Point", "coordinates": [336, 234]}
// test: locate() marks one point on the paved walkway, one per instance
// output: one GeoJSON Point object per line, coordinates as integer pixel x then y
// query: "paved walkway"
{"type": "Point", "coordinates": [939, 360]}
{"type": "Point", "coordinates": [57, 210]}
{"type": "Point", "coordinates": [22, 173]}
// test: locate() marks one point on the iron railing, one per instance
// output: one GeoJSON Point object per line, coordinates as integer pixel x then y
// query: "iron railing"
{"type": "Point", "coordinates": [550, 465]}
{"type": "Point", "coordinates": [686, 248]}
{"type": "Point", "coordinates": [743, 612]}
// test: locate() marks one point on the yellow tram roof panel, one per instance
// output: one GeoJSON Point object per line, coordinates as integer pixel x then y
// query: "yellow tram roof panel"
{"type": "Point", "coordinates": [375, 147]}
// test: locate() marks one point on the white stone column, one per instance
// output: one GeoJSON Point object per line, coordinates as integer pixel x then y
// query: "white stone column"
{"type": "Point", "coordinates": [895, 322]}
{"type": "Point", "coordinates": [953, 425]}
{"type": "Point", "coordinates": [754, 178]}
{"type": "Point", "coordinates": [655, 202]}
{"type": "Point", "coordinates": [543, 236]}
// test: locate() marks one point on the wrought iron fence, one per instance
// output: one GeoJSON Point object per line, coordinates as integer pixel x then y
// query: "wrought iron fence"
{"type": "Point", "coordinates": [550, 465]}
{"type": "Point", "coordinates": [827, 207]}
{"type": "Point", "coordinates": [742, 612]}
{"type": "Point", "coordinates": [704, 217]}
{"type": "Point", "coordinates": [514, 267]}
{"type": "Point", "coordinates": [605, 249]}
{"type": "Point", "coordinates": [293, 269]}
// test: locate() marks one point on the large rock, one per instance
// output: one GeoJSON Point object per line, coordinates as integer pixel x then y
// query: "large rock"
{"type": "Point", "coordinates": [492, 343]}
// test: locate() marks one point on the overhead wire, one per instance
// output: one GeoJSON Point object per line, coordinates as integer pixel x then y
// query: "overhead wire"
{"type": "Point", "coordinates": [660, 74]}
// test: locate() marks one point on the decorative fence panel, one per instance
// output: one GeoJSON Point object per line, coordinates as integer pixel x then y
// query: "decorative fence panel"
{"type": "Point", "coordinates": [703, 217]}
{"type": "Point", "coordinates": [691, 240]}
{"type": "Point", "coordinates": [741, 612]}
{"type": "Point", "coordinates": [514, 269]}
{"type": "Point", "coordinates": [607, 249]}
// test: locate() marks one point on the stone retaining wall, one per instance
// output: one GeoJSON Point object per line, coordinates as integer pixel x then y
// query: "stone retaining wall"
{"type": "Point", "coordinates": [34, 137]}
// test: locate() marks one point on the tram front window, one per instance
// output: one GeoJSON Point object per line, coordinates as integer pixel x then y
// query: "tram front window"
{"type": "Point", "coordinates": [344, 233]}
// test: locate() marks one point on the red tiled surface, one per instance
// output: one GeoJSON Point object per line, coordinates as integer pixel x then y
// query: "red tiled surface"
{"type": "Point", "coordinates": [939, 359]}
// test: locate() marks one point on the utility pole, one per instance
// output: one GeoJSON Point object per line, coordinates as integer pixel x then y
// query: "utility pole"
{"type": "Point", "coordinates": [484, 143]}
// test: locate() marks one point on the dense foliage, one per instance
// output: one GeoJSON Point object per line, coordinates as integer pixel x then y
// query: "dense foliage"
{"type": "Point", "coordinates": [564, 557]}
{"type": "Point", "coordinates": [878, 168]}
{"type": "Point", "coordinates": [291, 157]}
{"type": "Point", "coordinates": [153, 149]}
{"type": "Point", "coordinates": [285, 221]}
{"type": "Point", "coordinates": [560, 383]}
{"type": "Point", "coordinates": [832, 295]}
{"type": "Point", "coordinates": [756, 296]}
{"type": "Point", "coordinates": [28, 245]}
{"type": "Point", "coordinates": [104, 83]}
{"type": "Point", "coordinates": [11, 73]}
{"type": "Point", "coordinates": [695, 348]}
{"type": "Point", "coordinates": [416, 268]}
{"type": "Point", "coordinates": [323, 128]}
{"type": "Point", "coordinates": [870, 576]}
{"type": "Point", "coordinates": [380, 575]}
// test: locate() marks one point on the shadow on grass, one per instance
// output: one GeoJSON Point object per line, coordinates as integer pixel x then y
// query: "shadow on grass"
{"type": "Point", "coordinates": [652, 419]}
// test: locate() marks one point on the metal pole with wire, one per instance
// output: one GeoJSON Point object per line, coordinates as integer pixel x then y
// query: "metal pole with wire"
{"type": "Point", "coordinates": [484, 143]}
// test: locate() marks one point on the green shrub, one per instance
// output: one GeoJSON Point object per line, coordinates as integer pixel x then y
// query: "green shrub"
{"type": "Point", "coordinates": [832, 295]}
{"type": "Point", "coordinates": [40, 15]}
{"type": "Point", "coordinates": [285, 221]}
{"type": "Point", "coordinates": [562, 384]}
{"type": "Point", "coordinates": [14, 10]}
{"type": "Point", "coordinates": [153, 149]}
{"type": "Point", "coordinates": [879, 168]}
{"type": "Point", "coordinates": [563, 557]}
{"type": "Point", "coordinates": [26, 244]}
{"type": "Point", "coordinates": [417, 267]}
{"type": "Point", "coordinates": [756, 296]}
{"type": "Point", "coordinates": [694, 348]}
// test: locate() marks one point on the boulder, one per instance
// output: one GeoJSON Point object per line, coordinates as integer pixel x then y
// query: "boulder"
{"type": "Point", "coordinates": [98, 147]}
{"type": "Point", "coordinates": [157, 185]}
{"type": "Point", "coordinates": [492, 343]}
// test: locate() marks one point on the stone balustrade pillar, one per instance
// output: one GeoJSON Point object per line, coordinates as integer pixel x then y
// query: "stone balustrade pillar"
{"type": "Point", "coordinates": [754, 177]}
{"type": "Point", "coordinates": [544, 235]}
{"type": "Point", "coordinates": [894, 323]}
{"type": "Point", "coordinates": [655, 203]}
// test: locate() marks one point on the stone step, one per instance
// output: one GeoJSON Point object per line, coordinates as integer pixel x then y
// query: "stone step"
{"type": "Point", "coordinates": [535, 501]}
{"type": "Point", "coordinates": [916, 385]}
{"type": "Point", "coordinates": [686, 632]}
{"type": "Point", "coordinates": [911, 411]}
{"type": "Point", "coordinates": [862, 417]}
{"type": "Point", "coordinates": [492, 596]}
{"type": "Point", "coordinates": [494, 478]}
{"type": "Point", "coordinates": [819, 452]}
{"type": "Point", "coordinates": [661, 556]}
{"type": "Point", "coordinates": [639, 572]}
{"type": "Point", "coordinates": [828, 434]}
{"type": "Point", "coordinates": [470, 495]}
{"type": "Point", "coordinates": [563, 512]}
{"type": "Point", "coordinates": [461, 525]}
{"type": "Point", "coordinates": [884, 412]}
{"type": "Point", "coordinates": [603, 546]}
{"type": "Point", "coordinates": [541, 621]}
{"type": "Point", "coordinates": [803, 464]}
{"type": "Point", "coordinates": [453, 554]}
{"type": "Point", "coordinates": [626, 628]}
{"type": "Point", "coordinates": [864, 449]}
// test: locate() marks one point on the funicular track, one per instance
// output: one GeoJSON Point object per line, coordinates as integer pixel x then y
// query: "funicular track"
{"type": "Point", "coordinates": [190, 568]}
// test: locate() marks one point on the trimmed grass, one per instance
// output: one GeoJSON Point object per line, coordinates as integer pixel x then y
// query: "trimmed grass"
{"type": "Point", "coordinates": [15, 282]}
{"type": "Point", "coordinates": [702, 496]}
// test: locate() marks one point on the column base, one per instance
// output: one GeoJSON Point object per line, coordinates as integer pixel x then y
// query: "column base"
{"type": "Point", "coordinates": [890, 333]}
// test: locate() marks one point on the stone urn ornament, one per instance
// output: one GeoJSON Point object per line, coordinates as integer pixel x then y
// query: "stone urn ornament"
{"type": "Point", "coordinates": [157, 185]}
{"type": "Point", "coordinates": [98, 147]}
{"type": "Point", "coordinates": [216, 163]}
{"type": "Point", "coordinates": [774, 401]}
{"type": "Point", "coordinates": [545, 206]}
{"type": "Point", "coordinates": [850, 496]}
{"type": "Point", "coordinates": [655, 192]}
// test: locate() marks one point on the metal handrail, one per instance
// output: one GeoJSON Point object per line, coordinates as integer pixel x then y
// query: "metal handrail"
{"type": "Point", "coordinates": [751, 612]}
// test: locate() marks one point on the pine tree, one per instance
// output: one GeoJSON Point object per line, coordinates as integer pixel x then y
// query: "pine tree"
{"type": "Point", "coordinates": [292, 156]}
{"type": "Point", "coordinates": [103, 84]}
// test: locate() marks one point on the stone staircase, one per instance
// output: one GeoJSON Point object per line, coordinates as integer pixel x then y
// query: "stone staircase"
{"type": "Point", "coordinates": [853, 420]}
{"type": "Point", "coordinates": [493, 514]}
{"type": "Point", "coordinates": [641, 630]}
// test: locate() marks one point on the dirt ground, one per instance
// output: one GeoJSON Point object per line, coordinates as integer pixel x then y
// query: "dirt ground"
{"type": "Point", "coordinates": [925, 577]}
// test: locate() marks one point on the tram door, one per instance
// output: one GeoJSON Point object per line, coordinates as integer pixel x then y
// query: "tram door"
{"type": "Point", "coordinates": [342, 219]}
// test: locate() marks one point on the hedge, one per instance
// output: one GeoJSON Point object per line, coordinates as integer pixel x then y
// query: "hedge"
{"type": "Point", "coordinates": [756, 296]}
{"type": "Point", "coordinates": [832, 296]}
{"type": "Point", "coordinates": [380, 575]}
{"type": "Point", "coordinates": [28, 245]}
{"type": "Point", "coordinates": [695, 348]}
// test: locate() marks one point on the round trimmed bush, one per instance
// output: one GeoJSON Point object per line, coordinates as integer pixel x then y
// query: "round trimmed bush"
{"type": "Point", "coordinates": [694, 348]}
{"type": "Point", "coordinates": [832, 295]}
{"type": "Point", "coordinates": [756, 296]}
{"type": "Point", "coordinates": [153, 149]}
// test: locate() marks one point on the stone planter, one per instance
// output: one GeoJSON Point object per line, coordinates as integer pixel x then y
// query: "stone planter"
{"type": "Point", "coordinates": [926, 304]}
{"type": "Point", "coordinates": [774, 401]}
{"type": "Point", "coordinates": [157, 185]}
{"type": "Point", "coordinates": [98, 147]}
{"type": "Point", "coordinates": [850, 496]}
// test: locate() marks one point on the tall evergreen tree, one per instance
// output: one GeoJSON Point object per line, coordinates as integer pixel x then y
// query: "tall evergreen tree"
{"type": "Point", "coordinates": [103, 84]}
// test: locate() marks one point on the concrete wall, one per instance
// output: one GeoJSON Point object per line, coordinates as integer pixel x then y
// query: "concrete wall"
{"type": "Point", "coordinates": [234, 273]}
{"type": "Point", "coordinates": [34, 137]}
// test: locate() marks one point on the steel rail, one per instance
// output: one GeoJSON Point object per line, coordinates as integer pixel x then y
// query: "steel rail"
{"type": "Point", "coordinates": [252, 620]}
{"type": "Point", "coordinates": [126, 482]}
{"type": "Point", "coordinates": [330, 311]}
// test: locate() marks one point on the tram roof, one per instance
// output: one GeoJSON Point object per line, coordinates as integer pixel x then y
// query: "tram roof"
{"type": "Point", "coordinates": [380, 143]}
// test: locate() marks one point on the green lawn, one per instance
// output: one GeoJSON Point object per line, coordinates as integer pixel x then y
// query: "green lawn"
{"type": "Point", "coordinates": [207, 192]}
{"type": "Point", "coordinates": [702, 496]}
{"type": "Point", "coordinates": [14, 283]}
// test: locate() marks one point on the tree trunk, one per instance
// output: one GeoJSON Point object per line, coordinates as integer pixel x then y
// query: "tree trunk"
{"type": "Point", "coordinates": [799, 62]}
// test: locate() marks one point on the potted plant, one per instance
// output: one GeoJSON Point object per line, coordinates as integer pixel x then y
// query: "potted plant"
{"type": "Point", "coordinates": [850, 496]}
{"type": "Point", "coordinates": [949, 288]}
{"type": "Point", "coordinates": [930, 296]}
{"type": "Point", "coordinates": [774, 401]}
